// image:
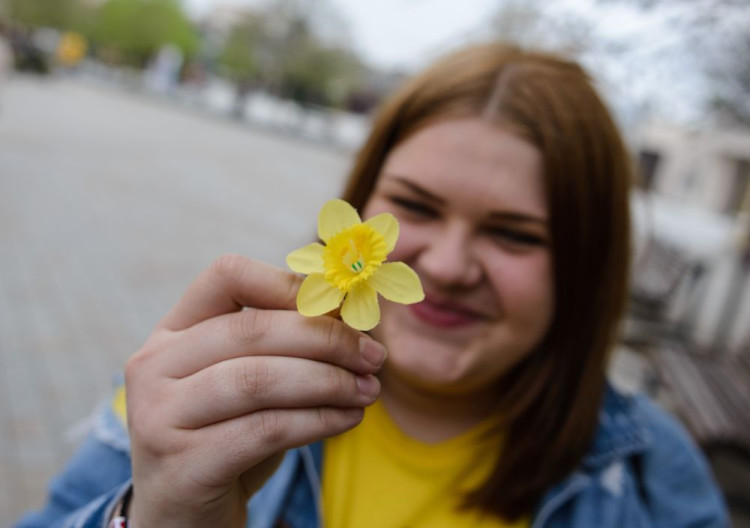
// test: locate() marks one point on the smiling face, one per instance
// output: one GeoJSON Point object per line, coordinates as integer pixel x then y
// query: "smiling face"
{"type": "Point", "coordinates": [470, 200]}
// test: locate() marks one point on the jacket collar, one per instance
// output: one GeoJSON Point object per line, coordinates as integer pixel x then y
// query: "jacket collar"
{"type": "Point", "coordinates": [621, 431]}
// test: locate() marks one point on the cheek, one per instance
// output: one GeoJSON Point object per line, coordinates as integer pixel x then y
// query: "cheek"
{"type": "Point", "coordinates": [523, 285]}
{"type": "Point", "coordinates": [410, 240]}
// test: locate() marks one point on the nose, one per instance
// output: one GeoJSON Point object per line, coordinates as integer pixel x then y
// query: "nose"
{"type": "Point", "coordinates": [447, 260]}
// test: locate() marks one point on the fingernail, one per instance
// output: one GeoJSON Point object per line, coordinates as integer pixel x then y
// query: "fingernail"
{"type": "Point", "coordinates": [368, 385]}
{"type": "Point", "coordinates": [372, 351]}
{"type": "Point", "coordinates": [355, 414]}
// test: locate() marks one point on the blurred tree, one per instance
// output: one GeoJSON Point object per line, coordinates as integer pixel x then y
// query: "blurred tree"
{"type": "Point", "coordinates": [295, 49]}
{"type": "Point", "coordinates": [320, 75]}
{"type": "Point", "coordinates": [136, 29]}
{"type": "Point", "coordinates": [50, 13]}
{"type": "Point", "coordinates": [238, 59]}
{"type": "Point", "coordinates": [60, 14]}
{"type": "Point", "coordinates": [731, 76]}
{"type": "Point", "coordinates": [717, 34]}
{"type": "Point", "coordinates": [529, 23]}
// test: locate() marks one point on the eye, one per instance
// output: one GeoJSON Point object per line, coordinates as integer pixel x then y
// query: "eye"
{"type": "Point", "coordinates": [414, 207]}
{"type": "Point", "coordinates": [517, 237]}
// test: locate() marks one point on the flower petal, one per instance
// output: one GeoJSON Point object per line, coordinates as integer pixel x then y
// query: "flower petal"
{"type": "Point", "coordinates": [360, 309]}
{"type": "Point", "coordinates": [397, 282]}
{"type": "Point", "coordinates": [308, 259]}
{"type": "Point", "coordinates": [334, 217]}
{"type": "Point", "coordinates": [316, 296]}
{"type": "Point", "coordinates": [387, 225]}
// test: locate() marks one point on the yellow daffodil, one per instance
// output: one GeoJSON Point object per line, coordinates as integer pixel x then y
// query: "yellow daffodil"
{"type": "Point", "coordinates": [352, 267]}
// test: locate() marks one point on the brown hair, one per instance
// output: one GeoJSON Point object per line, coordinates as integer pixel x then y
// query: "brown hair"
{"type": "Point", "coordinates": [551, 399]}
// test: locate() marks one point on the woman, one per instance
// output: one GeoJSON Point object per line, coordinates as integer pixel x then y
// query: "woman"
{"type": "Point", "coordinates": [510, 183]}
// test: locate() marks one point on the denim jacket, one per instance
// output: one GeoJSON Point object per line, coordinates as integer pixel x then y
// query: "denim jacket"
{"type": "Point", "coordinates": [642, 471]}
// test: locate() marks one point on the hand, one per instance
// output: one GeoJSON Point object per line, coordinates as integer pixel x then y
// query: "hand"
{"type": "Point", "coordinates": [231, 378]}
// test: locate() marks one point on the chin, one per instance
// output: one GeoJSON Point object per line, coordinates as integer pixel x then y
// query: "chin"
{"type": "Point", "coordinates": [447, 359]}
{"type": "Point", "coordinates": [433, 379]}
{"type": "Point", "coordinates": [431, 362]}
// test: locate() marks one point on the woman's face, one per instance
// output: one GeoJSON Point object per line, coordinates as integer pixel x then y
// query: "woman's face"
{"type": "Point", "coordinates": [470, 200]}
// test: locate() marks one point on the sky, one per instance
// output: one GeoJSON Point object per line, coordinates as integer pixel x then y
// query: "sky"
{"type": "Point", "coordinates": [408, 34]}
{"type": "Point", "coordinates": [405, 33]}
{"type": "Point", "coordinates": [396, 33]}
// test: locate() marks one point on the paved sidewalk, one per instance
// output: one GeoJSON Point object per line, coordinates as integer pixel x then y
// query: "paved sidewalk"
{"type": "Point", "coordinates": [109, 205]}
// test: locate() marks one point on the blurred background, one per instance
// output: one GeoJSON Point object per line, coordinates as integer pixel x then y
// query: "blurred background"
{"type": "Point", "coordinates": [140, 139]}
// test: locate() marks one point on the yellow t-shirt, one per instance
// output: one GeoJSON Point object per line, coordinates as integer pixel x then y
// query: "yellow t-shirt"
{"type": "Point", "coordinates": [119, 406]}
{"type": "Point", "coordinates": [374, 476]}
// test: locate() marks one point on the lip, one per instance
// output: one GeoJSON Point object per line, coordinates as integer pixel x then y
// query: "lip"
{"type": "Point", "coordinates": [444, 314]}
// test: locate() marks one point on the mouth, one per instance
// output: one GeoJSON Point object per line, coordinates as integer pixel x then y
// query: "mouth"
{"type": "Point", "coordinates": [445, 314]}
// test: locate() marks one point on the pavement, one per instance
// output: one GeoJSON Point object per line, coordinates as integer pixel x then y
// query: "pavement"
{"type": "Point", "coordinates": [111, 202]}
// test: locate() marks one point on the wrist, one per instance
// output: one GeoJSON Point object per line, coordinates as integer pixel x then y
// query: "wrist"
{"type": "Point", "coordinates": [136, 513]}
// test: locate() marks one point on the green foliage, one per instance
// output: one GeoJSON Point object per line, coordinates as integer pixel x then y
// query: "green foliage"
{"type": "Point", "coordinates": [238, 59]}
{"type": "Point", "coordinates": [61, 14]}
{"type": "Point", "coordinates": [136, 29]}
{"type": "Point", "coordinates": [132, 30]}
{"type": "Point", "coordinates": [318, 74]}
{"type": "Point", "coordinates": [281, 47]}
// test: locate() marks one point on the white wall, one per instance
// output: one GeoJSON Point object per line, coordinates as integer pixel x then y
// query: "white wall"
{"type": "Point", "coordinates": [697, 171]}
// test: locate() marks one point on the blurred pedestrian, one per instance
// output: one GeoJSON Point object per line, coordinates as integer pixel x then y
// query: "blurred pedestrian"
{"type": "Point", "coordinates": [163, 73]}
{"type": "Point", "coordinates": [71, 49]}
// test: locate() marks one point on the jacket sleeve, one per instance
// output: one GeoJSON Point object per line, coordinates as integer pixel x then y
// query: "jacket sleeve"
{"type": "Point", "coordinates": [91, 483]}
{"type": "Point", "coordinates": [678, 484]}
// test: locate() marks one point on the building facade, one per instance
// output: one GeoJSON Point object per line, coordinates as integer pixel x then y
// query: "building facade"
{"type": "Point", "coordinates": [695, 199]}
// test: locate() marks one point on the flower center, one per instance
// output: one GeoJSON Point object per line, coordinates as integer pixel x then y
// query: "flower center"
{"type": "Point", "coordinates": [353, 256]}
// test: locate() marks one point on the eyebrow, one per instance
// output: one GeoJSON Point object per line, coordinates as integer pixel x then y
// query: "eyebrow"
{"type": "Point", "coordinates": [418, 189]}
{"type": "Point", "coordinates": [518, 217]}
{"type": "Point", "coordinates": [508, 216]}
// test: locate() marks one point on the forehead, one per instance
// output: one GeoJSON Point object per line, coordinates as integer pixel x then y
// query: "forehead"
{"type": "Point", "coordinates": [472, 161]}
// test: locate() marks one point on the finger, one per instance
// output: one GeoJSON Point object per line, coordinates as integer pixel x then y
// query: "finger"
{"type": "Point", "coordinates": [267, 332]}
{"type": "Point", "coordinates": [237, 445]}
{"type": "Point", "coordinates": [229, 284]}
{"type": "Point", "coordinates": [254, 479]}
{"type": "Point", "coordinates": [244, 385]}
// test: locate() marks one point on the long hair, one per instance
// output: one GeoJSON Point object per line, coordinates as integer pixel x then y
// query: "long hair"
{"type": "Point", "coordinates": [550, 401]}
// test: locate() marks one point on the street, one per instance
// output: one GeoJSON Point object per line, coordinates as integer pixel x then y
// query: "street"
{"type": "Point", "coordinates": [110, 203]}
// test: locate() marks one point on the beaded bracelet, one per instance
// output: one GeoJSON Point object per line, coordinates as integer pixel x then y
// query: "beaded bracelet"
{"type": "Point", "coordinates": [120, 515]}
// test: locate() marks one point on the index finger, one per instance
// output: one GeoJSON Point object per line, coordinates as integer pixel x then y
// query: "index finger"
{"type": "Point", "coordinates": [228, 285]}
